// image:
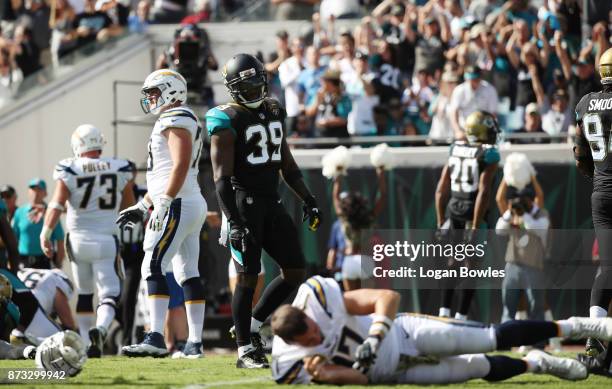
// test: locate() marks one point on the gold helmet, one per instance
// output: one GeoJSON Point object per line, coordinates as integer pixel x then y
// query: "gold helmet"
{"type": "Point", "coordinates": [6, 289]}
{"type": "Point", "coordinates": [605, 67]}
{"type": "Point", "coordinates": [481, 127]}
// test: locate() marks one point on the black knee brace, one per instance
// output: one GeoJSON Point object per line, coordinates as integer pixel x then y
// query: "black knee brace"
{"type": "Point", "coordinates": [85, 303]}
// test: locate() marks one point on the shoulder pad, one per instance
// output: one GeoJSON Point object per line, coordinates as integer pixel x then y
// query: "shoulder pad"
{"type": "Point", "coordinates": [275, 107]}
{"type": "Point", "coordinates": [491, 155]}
{"type": "Point", "coordinates": [126, 166]}
{"type": "Point", "coordinates": [178, 118]}
{"type": "Point", "coordinates": [65, 170]}
{"type": "Point", "coordinates": [220, 118]}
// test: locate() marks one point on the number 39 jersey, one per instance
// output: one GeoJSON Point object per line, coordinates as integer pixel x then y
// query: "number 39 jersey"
{"type": "Point", "coordinates": [594, 114]}
{"type": "Point", "coordinates": [322, 300]}
{"type": "Point", "coordinates": [96, 187]}
{"type": "Point", "coordinates": [257, 148]}
{"type": "Point", "coordinates": [466, 163]}
{"type": "Point", "coordinates": [159, 163]}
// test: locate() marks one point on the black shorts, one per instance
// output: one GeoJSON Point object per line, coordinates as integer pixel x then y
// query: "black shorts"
{"type": "Point", "coordinates": [601, 206]}
{"type": "Point", "coordinates": [460, 209]}
{"type": "Point", "coordinates": [272, 230]}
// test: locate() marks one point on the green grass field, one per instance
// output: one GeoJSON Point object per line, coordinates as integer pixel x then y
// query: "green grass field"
{"type": "Point", "coordinates": [218, 371]}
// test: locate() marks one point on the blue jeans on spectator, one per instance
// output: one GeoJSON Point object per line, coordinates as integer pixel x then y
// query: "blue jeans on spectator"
{"type": "Point", "coordinates": [523, 278]}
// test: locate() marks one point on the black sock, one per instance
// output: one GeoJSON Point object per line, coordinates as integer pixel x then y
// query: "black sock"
{"type": "Point", "coordinates": [241, 313]}
{"type": "Point", "coordinates": [447, 297]}
{"type": "Point", "coordinates": [273, 296]}
{"type": "Point", "coordinates": [467, 295]}
{"type": "Point", "coordinates": [515, 333]}
{"type": "Point", "coordinates": [503, 367]}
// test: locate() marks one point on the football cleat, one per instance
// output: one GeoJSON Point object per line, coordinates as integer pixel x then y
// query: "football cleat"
{"type": "Point", "coordinates": [253, 359]}
{"type": "Point", "coordinates": [565, 368]}
{"type": "Point", "coordinates": [191, 350]}
{"type": "Point", "coordinates": [153, 345]}
{"type": "Point", "coordinates": [596, 365]}
{"type": "Point", "coordinates": [97, 335]}
{"type": "Point", "coordinates": [594, 347]}
{"type": "Point", "coordinates": [585, 327]}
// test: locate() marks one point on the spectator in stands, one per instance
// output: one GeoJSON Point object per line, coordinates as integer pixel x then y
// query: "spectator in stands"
{"type": "Point", "coordinates": [439, 109]}
{"type": "Point", "coordinates": [343, 61]}
{"type": "Point", "coordinates": [288, 73]}
{"type": "Point", "coordinates": [365, 34]}
{"type": "Point", "coordinates": [118, 13]}
{"type": "Point", "coordinates": [557, 117]}
{"type": "Point", "coordinates": [9, 196]}
{"type": "Point", "coordinates": [293, 9]}
{"type": "Point", "coordinates": [416, 98]}
{"type": "Point", "coordinates": [363, 98]}
{"type": "Point", "coordinates": [27, 225]}
{"type": "Point", "coordinates": [431, 41]}
{"type": "Point", "coordinates": [533, 125]}
{"type": "Point", "coordinates": [27, 54]}
{"type": "Point", "coordinates": [202, 13]}
{"type": "Point", "coordinates": [10, 75]}
{"type": "Point", "coordinates": [36, 19]}
{"type": "Point", "coordinates": [275, 58]}
{"type": "Point", "coordinates": [583, 79]}
{"type": "Point", "coordinates": [138, 22]}
{"type": "Point", "coordinates": [303, 127]}
{"type": "Point", "coordinates": [474, 94]}
{"type": "Point", "coordinates": [309, 81]}
{"type": "Point", "coordinates": [388, 81]}
{"type": "Point", "coordinates": [169, 11]}
{"type": "Point", "coordinates": [63, 39]}
{"type": "Point", "coordinates": [340, 9]}
{"type": "Point", "coordinates": [91, 24]}
{"type": "Point", "coordinates": [330, 107]}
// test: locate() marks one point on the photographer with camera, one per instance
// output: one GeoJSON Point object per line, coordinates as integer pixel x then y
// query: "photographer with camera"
{"type": "Point", "coordinates": [191, 55]}
{"type": "Point", "coordinates": [526, 225]}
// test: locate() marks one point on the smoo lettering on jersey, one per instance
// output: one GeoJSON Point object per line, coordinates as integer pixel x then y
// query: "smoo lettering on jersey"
{"type": "Point", "coordinates": [465, 152]}
{"type": "Point", "coordinates": [600, 104]}
{"type": "Point", "coordinates": [96, 167]}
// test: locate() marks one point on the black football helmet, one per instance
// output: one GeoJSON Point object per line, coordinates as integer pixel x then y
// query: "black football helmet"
{"type": "Point", "coordinates": [246, 80]}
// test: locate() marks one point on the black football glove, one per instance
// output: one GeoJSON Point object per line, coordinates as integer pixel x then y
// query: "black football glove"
{"type": "Point", "coordinates": [132, 215]}
{"type": "Point", "coordinates": [239, 236]}
{"type": "Point", "coordinates": [311, 213]}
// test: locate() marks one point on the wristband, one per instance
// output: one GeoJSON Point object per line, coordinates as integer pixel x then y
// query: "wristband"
{"type": "Point", "coordinates": [380, 326]}
{"type": "Point", "coordinates": [46, 232]}
{"type": "Point", "coordinates": [27, 351]}
{"type": "Point", "coordinates": [56, 205]}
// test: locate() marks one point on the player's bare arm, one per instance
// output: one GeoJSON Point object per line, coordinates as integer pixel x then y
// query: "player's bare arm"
{"type": "Point", "coordinates": [382, 302]}
{"type": "Point", "coordinates": [582, 154]}
{"type": "Point", "coordinates": [442, 195]}
{"type": "Point", "coordinates": [54, 211]}
{"type": "Point", "coordinates": [484, 194]}
{"type": "Point", "coordinates": [128, 198]}
{"type": "Point", "coordinates": [381, 196]}
{"type": "Point", "coordinates": [324, 372]}
{"type": "Point", "coordinates": [62, 308]}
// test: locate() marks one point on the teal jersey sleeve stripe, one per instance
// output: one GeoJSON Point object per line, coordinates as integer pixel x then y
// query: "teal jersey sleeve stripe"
{"type": "Point", "coordinates": [491, 156]}
{"type": "Point", "coordinates": [217, 120]}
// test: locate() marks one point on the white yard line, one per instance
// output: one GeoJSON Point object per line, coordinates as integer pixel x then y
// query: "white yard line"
{"type": "Point", "coordinates": [228, 383]}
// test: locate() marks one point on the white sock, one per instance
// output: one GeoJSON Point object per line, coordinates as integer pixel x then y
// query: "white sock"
{"type": "Point", "coordinates": [565, 328]}
{"type": "Point", "coordinates": [85, 321]}
{"type": "Point", "coordinates": [104, 316]}
{"type": "Point", "coordinates": [548, 316]}
{"type": "Point", "coordinates": [521, 315]}
{"type": "Point", "coordinates": [460, 316]}
{"type": "Point", "coordinates": [158, 307]}
{"type": "Point", "coordinates": [532, 366]}
{"type": "Point", "coordinates": [244, 349]}
{"type": "Point", "coordinates": [195, 319]}
{"type": "Point", "coordinates": [255, 325]}
{"type": "Point", "coordinates": [444, 312]}
{"type": "Point", "coordinates": [596, 312]}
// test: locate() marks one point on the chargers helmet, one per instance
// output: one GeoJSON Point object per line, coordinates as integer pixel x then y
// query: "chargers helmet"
{"type": "Point", "coordinates": [63, 351]}
{"type": "Point", "coordinates": [246, 80]}
{"type": "Point", "coordinates": [166, 86]}
{"type": "Point", "coordinates": [605, 67]}
{"type": "Point", "coordinates": [481, 127]}
{"type": "Point", "coordinates": [86, 138]}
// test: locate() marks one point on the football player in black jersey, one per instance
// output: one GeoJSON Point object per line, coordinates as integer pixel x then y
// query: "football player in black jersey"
{"type": "Point", "coordinates": [467, 179]}
{"type": "Point", "coordinates": [593, 144]}
{"type": "Point", "coordinates": [249, 152]}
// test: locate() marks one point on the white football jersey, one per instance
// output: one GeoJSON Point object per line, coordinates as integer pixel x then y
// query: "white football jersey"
{"type": "Point", "coordinates": [44, 284]}
{"type": "Point", "coordinates": [159, 163]}
{"type": "Point", "coordinates": [321, 299]}
{"type": "Point", "coordinates": [96, 187]}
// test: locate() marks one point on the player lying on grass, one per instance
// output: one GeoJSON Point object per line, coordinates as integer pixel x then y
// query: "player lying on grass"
{"type": "Point", "coordinates": [357, 337]}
